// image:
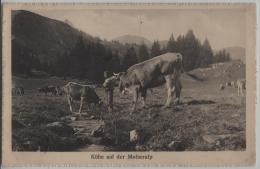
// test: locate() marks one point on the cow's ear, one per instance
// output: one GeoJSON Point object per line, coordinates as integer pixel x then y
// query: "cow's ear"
{"type": "Point", "coordinates": [115, 74]}
{"type": "Point", "coordinates": [119, 74]}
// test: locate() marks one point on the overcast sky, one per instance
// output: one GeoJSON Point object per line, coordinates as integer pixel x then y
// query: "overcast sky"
{"type": "Point", "coordinates": [223, 27]}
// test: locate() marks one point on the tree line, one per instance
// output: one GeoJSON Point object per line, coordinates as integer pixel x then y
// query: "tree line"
{"type": "Point", "coordinates": [90, 59]}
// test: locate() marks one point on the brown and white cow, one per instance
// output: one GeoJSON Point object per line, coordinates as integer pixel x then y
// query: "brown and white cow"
{"type": "Point", "coordinates": [82, 93]}
{"type": "Point", "coordinates": [241, 85]}
{"type": "Point", "coordinates": [233, 84]}
{"type": "Point", "coordinates": [166, 68]}
{"type": "Point", "coordinates": [109, 84]}
{"type": "Point", "coordinates": [221, 86]}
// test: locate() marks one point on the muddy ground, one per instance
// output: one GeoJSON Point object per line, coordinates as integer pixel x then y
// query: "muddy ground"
{"type": "Point", "coordinates": [207, 119]}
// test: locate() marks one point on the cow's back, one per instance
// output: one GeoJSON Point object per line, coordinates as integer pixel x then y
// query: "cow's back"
{"type": "Point", "coordinates": [150, 72]}
{"type": "Point", "coordinates": [76, 91]}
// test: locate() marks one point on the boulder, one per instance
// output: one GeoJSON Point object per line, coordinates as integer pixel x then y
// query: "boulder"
{"type": "Point", "coordinates": [177, 145]}
{"type": "Point", "coordinates": [134, 136]}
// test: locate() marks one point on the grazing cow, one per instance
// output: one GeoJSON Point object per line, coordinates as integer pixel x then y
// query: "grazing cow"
{"type": "Point", "coordinates": [48, 89]}
{"type": "Point", "coordinates": [228, 84]}
{"type": "Point", "coordinates": [59, 91]}
{"type": "Point", "coordinates": [82, 93]}
{"type": "Point", "coordinates": [154, 72]}
{"type": "Point", "coordinates": [233, 84]}
{"type": "Point", "coordinates": [19, 91]}
{"type": "Point", "coordinates": [111, 82]}
{"type": "Point", "coordinates": [241, 85]}
{"type": "Point", "coordinates": [221, 87]}
{"type": "Point", "coordinates": [109, 85]}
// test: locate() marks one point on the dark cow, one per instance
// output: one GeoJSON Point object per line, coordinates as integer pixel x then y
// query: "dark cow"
{"type": "Point", "coordinates": [48, 89]}
{"type": "Point", "coordinates": [82, 93]}
{"type": "Point", "coordinates": [166, 68]}
{"type": "Point", "coordinates": [19, 91]}
{"type": "Point", "coordinates": [59, 91]}
{"type": "Point", "coordinates": [228, 84]}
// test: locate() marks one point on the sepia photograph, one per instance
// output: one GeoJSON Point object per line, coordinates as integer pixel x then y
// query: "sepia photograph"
{"type": "Point", "coordinates": [137, 79]}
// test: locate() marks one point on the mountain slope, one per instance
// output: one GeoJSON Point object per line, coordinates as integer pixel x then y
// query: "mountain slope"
{"type": "Point", "coordinates": [45, 37]}
{"type": "Point", "coordinates": [220, 72]}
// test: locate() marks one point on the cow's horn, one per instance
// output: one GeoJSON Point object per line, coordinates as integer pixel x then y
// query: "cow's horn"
{"type": "Point", "coordinates": [115, 74]}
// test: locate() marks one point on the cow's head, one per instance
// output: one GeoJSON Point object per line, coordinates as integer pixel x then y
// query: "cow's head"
{"type": "Point", "coordinates": [112, 81]}
{"type": "Point", "coordinates": [123, 84]}
{"type": "Point", "coordinates": [179, 63]}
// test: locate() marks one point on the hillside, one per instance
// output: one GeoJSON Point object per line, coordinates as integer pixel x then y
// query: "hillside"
{"type": "Point", "coordinates": [219, 72]}
{"type": "Point", "coordinates": [133, 39]}
{"type": "Point", "coordinates": [45, 37]}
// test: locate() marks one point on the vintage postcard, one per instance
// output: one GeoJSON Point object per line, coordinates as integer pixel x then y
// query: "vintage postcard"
{"type": "Point", "coordinates": [129, 84]}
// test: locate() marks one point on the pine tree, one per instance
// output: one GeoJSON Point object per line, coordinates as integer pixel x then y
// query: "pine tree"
{"type": "Point", "coordinates": [155, 50]}
{"type": "Point", "coordinates": [206, 54]}
{"type": "Point", "coordinates": [190, 50]}
{"type": "Point", "coordinates": [143, 53]}
{"type": "Point", "coordinates": [130, 58]}
{"type": "Point", "coordinates": [221, 56]}
{"type": "Point", "coordinates": [171, 45]}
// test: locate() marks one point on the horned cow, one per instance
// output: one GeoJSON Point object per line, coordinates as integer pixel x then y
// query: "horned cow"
{"type": "Point", "coordinates": [82, 93]}
{"type": "Point", "coordinates": [166, 68]}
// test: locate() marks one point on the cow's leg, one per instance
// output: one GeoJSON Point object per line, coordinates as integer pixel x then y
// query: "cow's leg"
{"type": "Point", "coordinates": [135, 95]}
{"type": "Point", "coordinates": [143, 96]}
{"type": "Point", "coordinates": [238, 90]}
{"type": "Point", "coordinates": [110, 100]}
{"type": "Point", "coordinates": [70, 103]}
{"type": "Point", "coordinates": [81, 104]}
{"type": "Point", "coordinates": [178, 88]}
{"type": "Point", "coordinates": [170, 90]}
